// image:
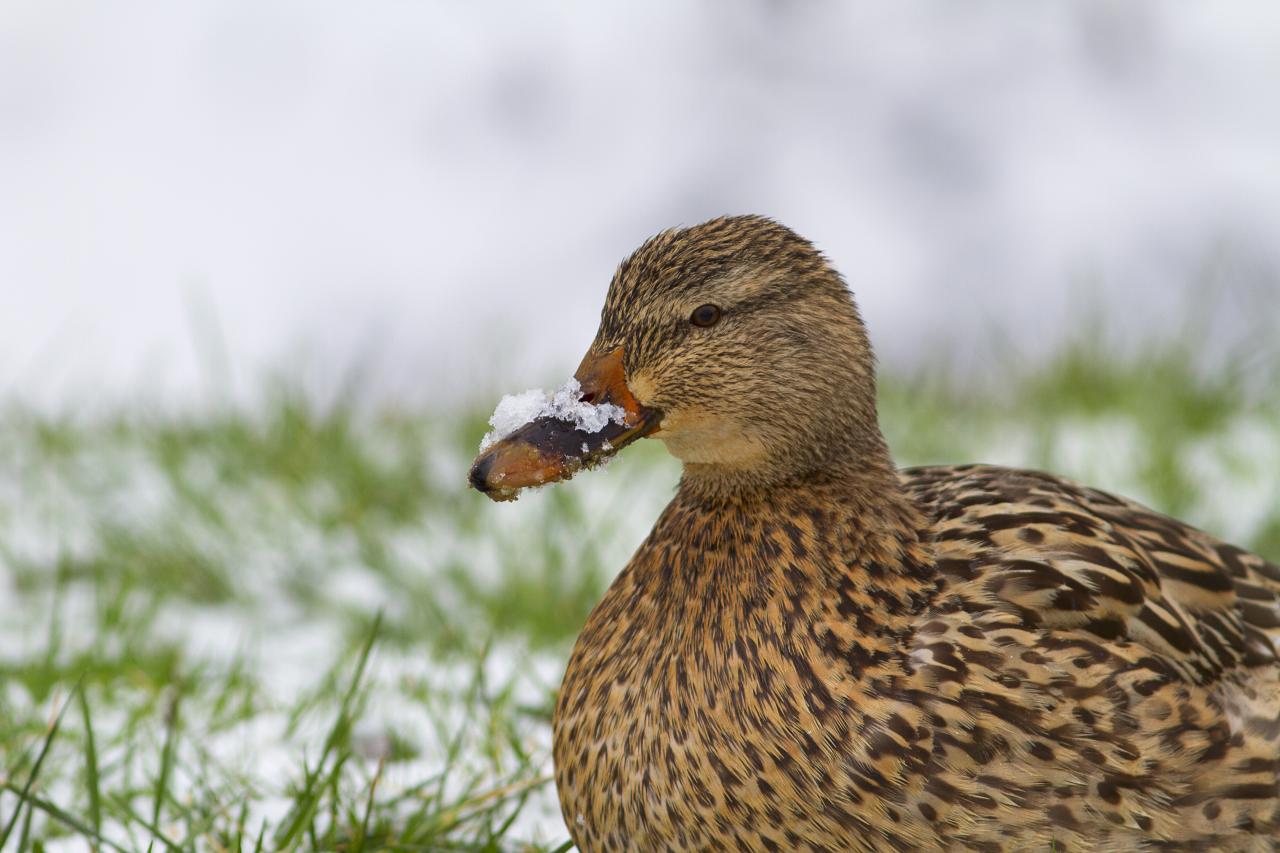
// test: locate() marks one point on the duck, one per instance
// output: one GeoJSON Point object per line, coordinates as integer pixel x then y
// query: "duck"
{"type": "Point", "coordinates": [814, 650]}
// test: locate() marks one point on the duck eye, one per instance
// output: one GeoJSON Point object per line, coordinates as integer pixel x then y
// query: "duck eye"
{"type": "Point", "coordinates": [705, 315]}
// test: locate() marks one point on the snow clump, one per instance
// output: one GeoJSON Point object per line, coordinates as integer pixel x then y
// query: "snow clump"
{"type": "Point", "coordinates": [563, 404]}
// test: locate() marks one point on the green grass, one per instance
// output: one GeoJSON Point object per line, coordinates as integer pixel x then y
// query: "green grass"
{"type": "Point", "coordinates": [294, 628]}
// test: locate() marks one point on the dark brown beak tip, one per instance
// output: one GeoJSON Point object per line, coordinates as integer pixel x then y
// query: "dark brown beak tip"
{"type": "Point", "coordinates": [480, 473]}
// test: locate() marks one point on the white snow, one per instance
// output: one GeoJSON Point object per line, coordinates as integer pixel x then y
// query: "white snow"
{"type": "Point", "coordinates": [564, 404]}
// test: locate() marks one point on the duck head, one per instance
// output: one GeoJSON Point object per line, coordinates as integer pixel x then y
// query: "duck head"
{"type": "Point", "coordinates": [736, 344]}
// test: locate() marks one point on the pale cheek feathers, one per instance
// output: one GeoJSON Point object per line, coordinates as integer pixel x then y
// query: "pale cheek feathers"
{"type": "Point", "coordinates": [699, 436]}
{"type": "Point", "coordinates": [641, 387]}
{"type": "Point", "coordinates": [706, 439]}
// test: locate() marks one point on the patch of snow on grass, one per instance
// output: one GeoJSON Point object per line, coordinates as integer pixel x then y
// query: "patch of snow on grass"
{"type": "Point", "coordinates": [1238, 472]}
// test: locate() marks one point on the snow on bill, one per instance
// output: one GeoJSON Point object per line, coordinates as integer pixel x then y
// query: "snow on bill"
{"type": "Point", "coordinates": [563, 404]}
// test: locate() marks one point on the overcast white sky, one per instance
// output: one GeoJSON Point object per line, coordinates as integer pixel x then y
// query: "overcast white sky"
{"type": "Point", "coordinates": [442, 190]}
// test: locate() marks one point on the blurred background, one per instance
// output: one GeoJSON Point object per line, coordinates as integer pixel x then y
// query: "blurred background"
{"type": "Point", "coordinates": [196, 193]}
{"type": "Point", "coordinates": [265, 269]}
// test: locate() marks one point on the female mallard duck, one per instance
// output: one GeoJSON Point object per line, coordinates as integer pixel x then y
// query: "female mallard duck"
{"type": "Point", "coordinates": [816, 651]}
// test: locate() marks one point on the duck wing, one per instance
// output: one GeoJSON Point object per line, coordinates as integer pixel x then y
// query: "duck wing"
{"type": "Point", "coordinates": [1062, 555]}
{"type": "Point", "coordinates": [1098, 664]}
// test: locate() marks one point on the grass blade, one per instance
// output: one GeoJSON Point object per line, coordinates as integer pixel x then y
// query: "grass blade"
{"type": "Point", "coordinates": [309, 799]}
{"type": "Point", "coordinates": [166, 756]}
{"type": "Point", "coordinates": [157, 834]}
{"type": "Point", "coordinates": [92, 779]}
{"type": "Point", "coordinates": [26, 831]}
{"type": "Point", "coordinates": [35, 771]}
{"type": "Point", "coordinates": [358, 847]}
{"type": "Point", "coordinates": [62, 817]}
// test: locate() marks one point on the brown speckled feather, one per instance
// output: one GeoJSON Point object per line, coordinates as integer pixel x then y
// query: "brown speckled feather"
{"type": "Point", "coordinates": [1082, 675]}
{"type": "Point", "coordinates": [815, 651]}
{"type": "Point", "coordinates": [1149, 642]}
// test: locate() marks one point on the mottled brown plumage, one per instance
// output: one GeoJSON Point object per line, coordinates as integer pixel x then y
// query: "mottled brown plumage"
{"type": "Point", "coordinates": [815, 651]}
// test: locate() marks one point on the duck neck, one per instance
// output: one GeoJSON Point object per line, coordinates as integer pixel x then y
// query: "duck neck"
{"type": "Point", "coordinates": [846, 533]}
{"type": "Point", "coordinates": [859, 465]}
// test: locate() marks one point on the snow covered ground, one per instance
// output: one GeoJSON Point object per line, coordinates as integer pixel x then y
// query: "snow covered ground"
{"type": "Point", "coordinates": [208, 581]}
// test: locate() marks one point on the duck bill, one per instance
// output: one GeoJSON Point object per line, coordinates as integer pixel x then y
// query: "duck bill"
{"type": "Point", "coordinates": [548, 450]}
